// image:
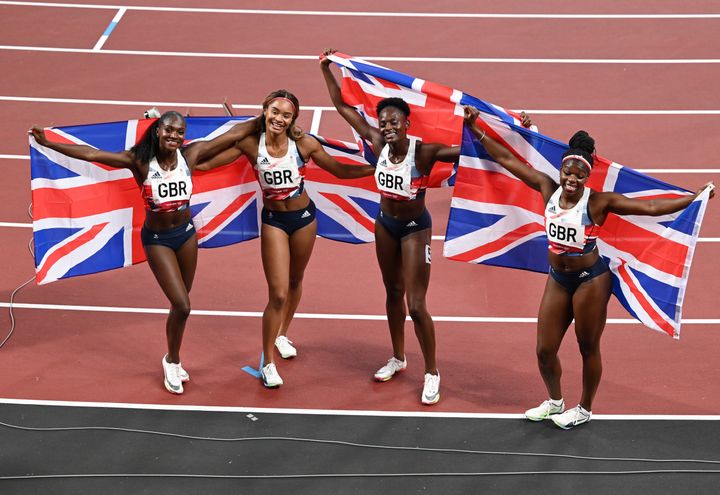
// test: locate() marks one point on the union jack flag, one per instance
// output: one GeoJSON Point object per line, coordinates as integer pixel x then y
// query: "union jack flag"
{"type": "Point", "coordinates": [495, 219]}
{"type": "Point", "coordinates": [226, 201]}
{"type": "Point", "coordinates": [346, 209]}
{"type": "Point", "coordinates": [87, 216]}
{"type": "Point", "coordinates": [436, 111]}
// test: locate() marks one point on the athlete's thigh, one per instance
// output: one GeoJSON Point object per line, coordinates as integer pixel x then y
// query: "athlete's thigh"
{"type": "Point", "coordinates": [302, 242]}
{"type": "Point", "coordinates": [555, 314]}
{"type": "Point", "coordinates": [187, 260]}
{"type": "Point", "coordinates": [389, 256]}
{"type": "Point", "coordinates": [164, 264]}
{"type": "Point", "coordinates": [275, 253]}
{"type": "Point", "coordinates": [416, 262]}
{"type": "Point", "coordinates": [590, 303]}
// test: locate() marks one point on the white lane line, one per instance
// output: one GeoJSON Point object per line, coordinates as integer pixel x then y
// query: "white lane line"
{"type": "Point", "coordinates": [434, 238]}
{"type": "Point", "coordinates": [340, 13]}
{"type": "Point", "coordinates": [340, 412]}
{"type": "Point", "coordinates": [315, 124]}
{"type": "Point", "coordinates": [320, 316]}
{"type": "Point", "coordinates": [462, 60]}
{"type": "Point", "coordinates": [88, 101]}
{"type": "Point", "coordinates": [16, 225]}
{"type": "Point", "coordinates": [113, 24]}
{"type": "Point", "coordinates": [700, 239]}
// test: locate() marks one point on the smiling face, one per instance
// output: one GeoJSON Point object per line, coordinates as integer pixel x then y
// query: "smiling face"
{"type": "Point", "coordinates": [279, 116]}
{"type": "Point", "coordinates": [573, 176]}
{"type": "Point", "coordinates": [393, 124]}
{"type": "Point", "coordinates": [171, 133]}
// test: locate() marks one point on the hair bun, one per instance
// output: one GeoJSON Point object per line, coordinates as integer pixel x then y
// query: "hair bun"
{"type": "Point", "coordinates": [152, 113]}
{"type": "Point", "coordinates": [583, 141]}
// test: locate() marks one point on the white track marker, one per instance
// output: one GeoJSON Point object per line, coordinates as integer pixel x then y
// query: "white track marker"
{"type": "Point", "coordinates": [113, 24]}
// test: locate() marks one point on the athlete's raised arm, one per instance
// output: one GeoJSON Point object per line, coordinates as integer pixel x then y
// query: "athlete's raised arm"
{"type": "Point", "coordinates": [504, 157]}
{"type": "Point", "coordinates": [122, 159]}
{"type": "Point", "coordinates": [365, 130]}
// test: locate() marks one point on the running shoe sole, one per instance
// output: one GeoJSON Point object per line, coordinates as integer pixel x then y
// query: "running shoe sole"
{"type": "Point", "coordinates": [172, 390]}
{"type": "Point", "coordinates": [381, 379]}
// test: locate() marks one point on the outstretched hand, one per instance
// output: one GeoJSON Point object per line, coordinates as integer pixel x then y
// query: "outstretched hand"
{"type": "Point", "coordinates": [324, 60]}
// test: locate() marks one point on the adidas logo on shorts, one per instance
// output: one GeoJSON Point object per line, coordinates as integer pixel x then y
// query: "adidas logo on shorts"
{"type": "Point", "coordinates": [412, 223]}
{"type": "Point", "coordinates": [305, 214]}
{"type": "Point", "coordinates": [584, 274]}
{"type": "Point", "coordinates": [189, 227]}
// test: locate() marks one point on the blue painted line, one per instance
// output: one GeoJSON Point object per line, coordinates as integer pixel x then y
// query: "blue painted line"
{"type": "Point", "coordinates": [110, 28]}
{"type": "Point", "coordinates": [255, 372]}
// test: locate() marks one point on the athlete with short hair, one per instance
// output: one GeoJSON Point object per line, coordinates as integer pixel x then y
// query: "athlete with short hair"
{"type": "Point", "coordinates": [403, 225]}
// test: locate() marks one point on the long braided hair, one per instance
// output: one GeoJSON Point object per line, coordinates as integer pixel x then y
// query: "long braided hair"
{"type": "Point", "coordinates": [149, 143]}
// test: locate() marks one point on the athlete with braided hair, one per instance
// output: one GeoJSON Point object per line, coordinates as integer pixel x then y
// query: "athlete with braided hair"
{"type": "Point", "coordinates": [579, 284]}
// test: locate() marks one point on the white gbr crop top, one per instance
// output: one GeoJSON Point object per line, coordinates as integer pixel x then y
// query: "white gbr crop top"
{"type": "Point", "coordinates": [167, 190]}
{"type": "Point", "coordinates": [400, 181]}
{"type": "Point", "coordinates": [571, 231]}
{"type": "Point", "coordinates": [280, 178]}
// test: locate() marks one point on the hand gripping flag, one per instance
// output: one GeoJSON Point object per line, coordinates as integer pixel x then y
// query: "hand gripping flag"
{"type": "Point", "coordinates": [87, 216]}
{"type": "Point", "coordinates": [496, 219]}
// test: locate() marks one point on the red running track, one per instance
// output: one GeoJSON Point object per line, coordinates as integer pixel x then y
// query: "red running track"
{"type": "Point", "coordinates": [106, 356]}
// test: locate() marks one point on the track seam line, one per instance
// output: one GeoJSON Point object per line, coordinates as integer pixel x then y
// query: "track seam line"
{"type": "Point", "coordinates": [464, 60]}
{"type": "Point", "coordinates": [340, 13]}
{"type": "Point", "coordinates": [342, 412]}
{"type": "Point", "coordinates": [321, 316]}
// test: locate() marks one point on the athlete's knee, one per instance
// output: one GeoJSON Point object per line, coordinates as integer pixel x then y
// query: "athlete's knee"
{"type": "Point", "coordinates": [417, 309]}
{"type": "Point", "coordinates": [545, 354]}
{"type": "Point", "coordinates": [588, 347]}
{"type": "Point", "coordinates": [277, 298]}
{"type": "Point", "coordinates": [181, 309]}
